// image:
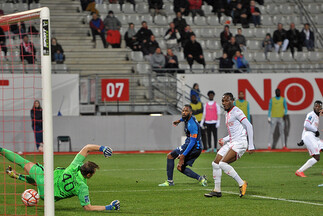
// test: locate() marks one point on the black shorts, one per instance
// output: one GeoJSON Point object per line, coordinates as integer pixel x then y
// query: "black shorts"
{"type": "Point", "coordinates": [190, 158]}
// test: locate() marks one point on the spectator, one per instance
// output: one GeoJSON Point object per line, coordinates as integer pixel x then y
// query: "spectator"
{"type": "Point", "coordinates": [193, 51]}
{"type": "Point", "coordinates": [3, 39]}
{"type": "Point", "coordinates": [186, 37]}
{"type": "Point", "coordinates": [268, 43]}
{"type": "Point", "coordinates": [196, 91]}
{"type": "Point", "coordinates": [211, 118]}
{"type": "Point", "coordinates": [157, 60]}
{"type": "Point", "coordinates": [195, 7]}
{"type": "Point", "coordinates": [240, 63]}
{"type": "Point", "coordinates": [149, 48]}
{"type": "Point", "coordinates": [241, 40]}
{"type": "Point", "coordinates": [232, 47]}
{"type": "Point", "coordinates": [255, 14]}
{"type": "Point", "coordinates": [156, 7]}
{"type": "Point", "coordinates": [57, 52]}
{"type": "Point", "coordinates": [91, 7]}
{"type": "Point", "coordinates": [112, 26]}
{"type": "Point", "coordinates": [121, 2]}
{"type": "Point", "coordinates": [97, 28]}
{"type": "Point", "coordinates": [218, 7]}
{"type": "Point", "coordinates": [180, 23]}
{"type": "Point", "coordinates": [307, 37]}
{"type": "Point", "coordinates": [294, 37]}
{"type": "Point", "coordinates": [225, 36]}
{"type": "Point", "coordinates": [280, 39]}
{"type": "Point", "coordinates": [172, 37]}
{"type": "Point", "coordinates": [130, 38]}
{"type": "Point", "coordinates": [242, 104]}
{"type": "Point", "coordinates": [197, 110]}
{"type": "Point", "coordinates": [181, 6]}
{"type": "Point", "coordinates": [171, 60]}
{"type": "Point", "coordinates": [276, 112]}
{"type": "Point", "coordinates": [18, 28]}
{"type": "Point", "coordinates": [143, 33]}
{"type": "Point", "coordinates": [27, 50]}
{"type": "Point", "coordinates": [240, 15]}
{"type": "Point", "coordinates": [225, 63]}
{"type": "Point", "coordinates": [36, 114]}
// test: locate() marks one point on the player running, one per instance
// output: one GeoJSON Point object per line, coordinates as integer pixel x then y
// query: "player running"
{"type": "Point", "coordinates": [68, 182]}
{"type": "Point", "coordinates": [188, 152]}
{"type": "Point", "coordinates": [233, 146]}
{"type": "Point", "coordinates": [310, 137]}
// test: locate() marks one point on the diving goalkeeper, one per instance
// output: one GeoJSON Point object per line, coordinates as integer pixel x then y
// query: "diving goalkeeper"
{"type": "Point", "coordinates": [68, 182]}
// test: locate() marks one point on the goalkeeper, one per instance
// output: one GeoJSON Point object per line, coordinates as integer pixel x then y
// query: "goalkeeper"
{"type": "Point", "coordinates": [68, 182]}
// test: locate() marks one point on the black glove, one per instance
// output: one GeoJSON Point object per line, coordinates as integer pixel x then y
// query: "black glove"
{"type": "Point", "coordinates": [317, 134]}
{"type": "Point", "coordinates": [301, 143]}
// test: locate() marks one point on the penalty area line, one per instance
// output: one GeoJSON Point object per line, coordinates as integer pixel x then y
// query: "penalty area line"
{"type": "Point", "coordinates": [226, 192]}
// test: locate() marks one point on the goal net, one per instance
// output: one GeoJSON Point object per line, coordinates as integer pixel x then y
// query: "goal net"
{"type": "Point", "coordinates": [25, 108]}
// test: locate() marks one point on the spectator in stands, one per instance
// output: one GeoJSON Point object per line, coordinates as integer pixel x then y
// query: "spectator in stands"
{"type": "Point", "coordinates": [27, 50]}
{"type": "Point", "coordinates": [91, 7]}
{"type": "Point", "coordinates": [172, 37]}
{"type": "Point", "coordinates": [171, 60]}
{"type": "Point", "coordinates": [307, 37]}
{"type": "Point", "coordinates": [18, 28]}
{"type": "Point", "coordinates": [121, 2]}
{"type": "Point", "coordinates": [280, 39]}
{"type": "Point", "coordinates": [57, 52]}
{"type": "Point", "coordinates": [181, 6]}
{"type": "Point", "coordinates": [225, 63]}
{"type": "Point", "coordinates": [130, 38]}
{"type": "Point", "coordinates": [241, 40]}
{"type": "Point", "coordinates": [294, 37]}
{"type": "Point", "coordinates": [225, 36]}
{"type": "Point", "coordinates": [240, 15]}
{"type": "Point", "coordinates": [186, 36]}
{"type": "Point", "coordinates": [149, 47]}
{"type": "Point", "coordinates": [36, 114]}
{"type": "Point", "coordinates": [240, 63]}
{"type": "Point", "coordinates": [232, 47]}
{"type": "Point", "coordinates": [255, 14]}
{"type": "Point", "coordinates": [97, 28]}
{"type": "Point", "coordinates": [268, 44]}
{"type": "Point", "coordinates": [180, 23]}
{"type": "Point", "coordinates": [193, 51]}
{"type": "Point", "coordinates": [230, 7]}
{"type": "Point", "coordinates": [196, 91]}
{"type": "Point", "coordinates": [3, 46]}
{"type": "Point", "coordinates": [218, 7]}
{"type": "Point", "coordinates": [157, 60]}
{"type": "Point", "coordinates": [195, 7]}
{"type": "Point", "coordinates": [112, 26]}
{"type": "Point", "coordinates": [143, 33]}
{"type": "Point", "coordinates": [156, 7]}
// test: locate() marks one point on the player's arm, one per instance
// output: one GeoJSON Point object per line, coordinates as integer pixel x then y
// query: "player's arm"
{"type": "Point", "coordinates": [107, 151]}
{"type": "Point", "coordinates": [248, 126]}
{"type": "Point", "coordinates": [219, 115]}
{"type": "Point", "coordinates": [308, 125]}
{"type": "Point", "coordinates": [248, 110]}
{"type": "Point", "coordinates": [269, 110]}
{"type": "Point", "coordinates": [114, 205]}
{"type": "Point", "coordinates": [285, 106]}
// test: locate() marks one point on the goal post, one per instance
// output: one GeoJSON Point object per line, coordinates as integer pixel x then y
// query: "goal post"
{"type": "Point", "coordinates": [43, 15]}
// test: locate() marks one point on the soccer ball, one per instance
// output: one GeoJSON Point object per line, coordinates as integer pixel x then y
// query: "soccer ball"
{"type": "Point", "coordinates": [30, 197]}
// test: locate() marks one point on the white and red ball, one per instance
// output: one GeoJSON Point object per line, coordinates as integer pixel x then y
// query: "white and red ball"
{"type": "Point", "coordinates": [30, 197]}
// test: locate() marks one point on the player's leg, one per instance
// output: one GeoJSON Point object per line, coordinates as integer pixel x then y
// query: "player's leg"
{"type": "Point", "coordinates": [17, 159]}
{"type": "Point", "coordinates": [208, 134]}
{"type": "Point", "coordinates": [282, 131]}
{"type": "Point", "coordinates": [273, 124]}
{"type": "Point", "coordinates": [170, 168]}
{"type": "Point", "coordinates": [13, 174]}
{"type": "Point", "coordinates": [215, 136]}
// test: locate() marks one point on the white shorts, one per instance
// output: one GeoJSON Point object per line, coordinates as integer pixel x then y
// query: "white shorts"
{"type": "Point", "coordinates": [239, 147]}
{"type": "Point", "coordinates": [313, 144]}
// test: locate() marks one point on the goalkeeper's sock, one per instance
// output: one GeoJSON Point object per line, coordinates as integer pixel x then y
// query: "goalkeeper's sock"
{"type": "Point", "coordinates": [228, 169]}
{"type": "Point", "coordinates": [13, 157]}
{"type": "Point", "coordinates": [190, 173]}
{"type": "Point", "coordinates": [217, 174]}
{"type": "Point", "coordinates": [308, 164]}
{"type": "Point", "coordinates": [26, 178]}
{"type": "Point", "coordinates": [170, 169]}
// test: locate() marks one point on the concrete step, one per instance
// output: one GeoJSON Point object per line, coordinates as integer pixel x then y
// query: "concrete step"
{"type": "Point", "coordinates": [98, 61]}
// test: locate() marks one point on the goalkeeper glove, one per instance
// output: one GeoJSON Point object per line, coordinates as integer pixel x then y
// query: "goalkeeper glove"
{"type": "Point", "coordinates": [114, 205]}
{"type": "Point", "coordinates": [107, 151]}
{"type": "Point", "coordinates": [317, 133]}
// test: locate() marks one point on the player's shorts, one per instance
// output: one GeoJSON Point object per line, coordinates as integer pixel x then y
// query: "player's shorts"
{"type": "Point", "coordinates": [313, 144]}
{"type": "Point", "coordinates": [189, 158]}
{"type": "Point", "coordinates": [37, 174]}
{"type": "Point", "coordinates": [239, 147]}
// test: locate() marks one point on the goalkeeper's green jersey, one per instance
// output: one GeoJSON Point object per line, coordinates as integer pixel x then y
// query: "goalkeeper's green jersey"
{"type": "Point", "coordinates": [69, 182]}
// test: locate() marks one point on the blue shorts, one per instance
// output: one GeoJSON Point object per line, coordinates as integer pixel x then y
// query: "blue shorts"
{"type": "Point", "coordinates": [189, 158]}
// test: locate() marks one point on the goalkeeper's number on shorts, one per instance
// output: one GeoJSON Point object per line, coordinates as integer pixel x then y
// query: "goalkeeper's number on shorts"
{"type": "Point", "coordinates": [107, 151]}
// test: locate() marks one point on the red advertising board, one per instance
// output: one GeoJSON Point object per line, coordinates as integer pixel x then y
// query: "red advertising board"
{"type": "Point", "coordinates": [115, 90]}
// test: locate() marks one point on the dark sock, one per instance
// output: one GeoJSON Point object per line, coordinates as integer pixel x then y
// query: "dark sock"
{"type": "Point", "coordinates": [26, 178]}
{"type": "Point", "coordinates": [170, 169]}
{"type": "Point", "coordinates": [191, 174]}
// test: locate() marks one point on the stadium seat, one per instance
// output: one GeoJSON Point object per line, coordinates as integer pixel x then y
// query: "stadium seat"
{"type": "Point", "coordinates": [134, 18]}
{"type": "Point", "coordinates": [147, 18]}
{"type": "Point", "coordinates": [162, 44]}
{"type": "Point", "coordinates": [128, 9]}
{"type": "Point", "coordinates": [260, 32]}
{"type": "Point", "coordinates": [200, 21]}
{"type": "Point", "coordinates": [6, 68]}
{"type": "Point", "coordinates": [189, 20]}
{"type": "Point", "coordinates": [143, 68]}
{"type": "Point", "coordinates": [210, 44]}
{"type": "Point", "coordinates": [207, 9]}
{"type": "Point", "coordinates": [8, 7]}
{"type": "Point", "coordinates": [300, 56]}
{"type": "Point", "coordinates": [102, 8]}
{"type": "Point", "coordinates": [206, 32]}
{"type": "Point", "coordinates": [203, 44]}
{"type": "Point", "coordinates": [208, 56]}
{"type": "Point", "coordinates": [17, 69]}
{"type": "Point", "coordinates": [160, 20]}
{"type": "Point", "coordinates": [16, 56]}
{"type": "Point", "coordinates": [266, 20]}
{"type": "Point", "coordinates": [279, 19]}
{"type": "Point", "coordinates": [212, 20]}
{"type": "Point", "coordinates": [115, 8]}
{"type": "Point", "coordinates": [22, 7]}
{"type": "Point", "coordinates": [260, 57]}
{"type": "Point", "coordinates": [170, 18]}
{"type": "Point", "coordinates": [286, 56]}
{"type": "Point", "coordinates": [273, 57]}
{"type": "Point", "coordinates": [249, 57]}
{"type": "Point", "coordinates": [59, 68]}
{"type": "Point", "coordinates": [136, 56]}
{"type": "Point", "coordinates": [184, 66]}
{"type": "Point", "coordinates": [225, 20]}
{"type": "Point", "coordinates": [156, 32]}
{"type": "Point", "coordinates": [248, 32]}
{"type": "Point", "coordinates": [285, 9]}
{"type": "Point", "coordinates": [314, 56]}
{"type": "Point", "coordinates": [180, 56]}
{"type": "Point", "coordinates": [197, 32]}
{"type": "Point", "coordinates": [142, 8]}
{"type": "Point", "coordinates": [313, 8]}
{"type": "Point", "coordinates": [197, 68]}
{"type": "Point", "coordinates": [272, 9]}
{"type": "Point", "coordinates": [169, 9]}
{"type": "Point", "coordinates": [319, 19]}
{"type": "Point", "coordinates": [253, 45]}
{"type": "Point", "coordinates": [122, 18]}
{"type": "Point", "coordinates": [34, 6]}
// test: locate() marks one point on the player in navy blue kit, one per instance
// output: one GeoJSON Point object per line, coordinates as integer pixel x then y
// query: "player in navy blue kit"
{"type": "Point", "coordinates": [188, 152]}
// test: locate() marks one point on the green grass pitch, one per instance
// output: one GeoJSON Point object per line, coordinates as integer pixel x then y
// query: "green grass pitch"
{"type": "Point", "coordinates": [133, 179]}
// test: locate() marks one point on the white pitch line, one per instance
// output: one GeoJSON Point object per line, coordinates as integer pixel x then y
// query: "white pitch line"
{"type": "Point", "coordinates": [227, 192]}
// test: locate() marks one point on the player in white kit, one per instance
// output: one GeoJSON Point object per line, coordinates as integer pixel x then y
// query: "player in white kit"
{"type": "Point", "coordinates": [310, 138]}
{"type": "Point", "coordinates": [233, 146]}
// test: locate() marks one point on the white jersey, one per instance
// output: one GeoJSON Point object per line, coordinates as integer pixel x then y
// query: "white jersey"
{"type": "Point", "coordinates": [233, 120]}
{"type": "Point", "coordinates": [311, 124]}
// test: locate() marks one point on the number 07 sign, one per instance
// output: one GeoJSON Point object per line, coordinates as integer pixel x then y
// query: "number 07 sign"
{"type": "Point", "coordinates": [115, 90]}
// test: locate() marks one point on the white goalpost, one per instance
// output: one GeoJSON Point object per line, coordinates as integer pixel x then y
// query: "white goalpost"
{"type": "Point", "coordinates": [10, 73]}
